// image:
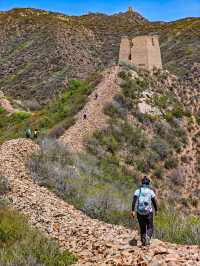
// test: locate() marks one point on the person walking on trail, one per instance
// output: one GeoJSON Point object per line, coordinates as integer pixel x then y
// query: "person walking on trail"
{"type": "Point", "coordinates": [28, 133]}
{"type": "Point", "coordinates": [143, 199]}
{"type": "Point", "coordinates": [35, 133]}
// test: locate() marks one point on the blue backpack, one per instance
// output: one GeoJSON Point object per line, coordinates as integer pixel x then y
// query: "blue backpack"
{"type": "Point", "coordinates": [144, 201]}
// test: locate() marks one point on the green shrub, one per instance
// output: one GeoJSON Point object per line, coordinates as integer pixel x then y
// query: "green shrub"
{"type": "Point", "coordinates": [172, 226]}
{"type": "Point", "coordinates": [21, 245]}
{"type": "Point", "coordinates": [127, 66]}
{"type": "Point", "coordinates": [123, 75]}
{"type": "Point", "coordinates": [169, 117]}
{"type": "Point", "coordinates": [184, 202]}
{"type": "Point", "coordinates": [158, 172]}
{"type": "Point", "coordinates": [115, 110]}
{"type": "Point", "coordinates": [161, 147]}
{"type": "Point", "coordinates": [135, 138]}
{"type": "Point", "coordinates": [147, 161]}
{"type": "Point", "coordinates": [146, 119]}
{"type": "Point", "coordinates": [171, 163]}
{"type": "Point", "coordinates": [161, 101]}
{"type": "Point", "coordinates": [194, 201]}
{"type": "Point", "coordinates": [197, 118]}
{"type": "Point", "coordinates": [2, 110]}
{"type": "Point", "coordinates": [178, 111]}
{"type": "Point", "coordinates": [20, 116]}
{"type": "Point", "coordinates": [131, 89]}
{"type": "Point", "coordinates": [4, 185]}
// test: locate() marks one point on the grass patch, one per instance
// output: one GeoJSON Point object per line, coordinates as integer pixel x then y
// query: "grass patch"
{"type": "Point", "coordinates": [22, 245]}
{"type": "Point", "coordinates": [172, 226]}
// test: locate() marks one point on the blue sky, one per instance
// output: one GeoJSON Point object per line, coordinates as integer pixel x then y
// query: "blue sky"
{"type": "Point", "coordinates": [152, 9]}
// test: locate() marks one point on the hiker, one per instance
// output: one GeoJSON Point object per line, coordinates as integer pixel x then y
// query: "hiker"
{"type": "Point", "coordinates": [143, 199]}
{"type": "Point", "coordinates": [84, 116]}
{"type": "Point", "coordinates": [96, 96]}
{"type": "Point", "coordinates": [28, 133]}
{"type": "Point", "coordinates": [35, 133]}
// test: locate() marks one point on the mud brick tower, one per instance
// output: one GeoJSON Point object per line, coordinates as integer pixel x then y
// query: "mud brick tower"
{"type": "Point", "coordinates": [141, 51]}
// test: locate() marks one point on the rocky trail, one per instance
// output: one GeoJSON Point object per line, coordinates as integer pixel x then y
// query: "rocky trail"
{"type": "Point", "coordinates": [94, 242]}
{"type": "Point", "coordinates": [92, 117]}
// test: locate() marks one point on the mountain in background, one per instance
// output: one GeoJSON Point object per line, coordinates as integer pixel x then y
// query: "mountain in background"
{"type": "Point", "coordinates": [40, 51]}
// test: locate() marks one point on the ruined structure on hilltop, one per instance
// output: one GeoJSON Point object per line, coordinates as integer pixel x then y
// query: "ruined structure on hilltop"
{"type": "Point", "coordinates": [130, 9]}
{"type": "Point", "coordinates": [142, 51]}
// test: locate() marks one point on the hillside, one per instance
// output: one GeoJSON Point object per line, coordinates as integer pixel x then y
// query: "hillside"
{"type": "Point", "coordinates": [145, 127]}
{"type": "Point", "coordinates": [41, 52]}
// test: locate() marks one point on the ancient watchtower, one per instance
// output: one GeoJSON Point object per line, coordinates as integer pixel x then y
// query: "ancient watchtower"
{"type": "Point", "coordinates": [142, 51]}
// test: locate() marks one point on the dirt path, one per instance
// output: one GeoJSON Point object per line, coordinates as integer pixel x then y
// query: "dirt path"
{"type": "Point", "coordinates": [94, 242]}
{"type": "Point", "coordinates": [95, 117]}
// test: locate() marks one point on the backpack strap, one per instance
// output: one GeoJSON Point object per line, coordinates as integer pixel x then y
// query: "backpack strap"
{"type": "Point", "coordinates": [139, 193]}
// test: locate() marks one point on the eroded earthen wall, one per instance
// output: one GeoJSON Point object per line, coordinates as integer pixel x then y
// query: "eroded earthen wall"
{"type": "Point", "coordinates": [139, 54]}
{"type": "Point", "coordinates": [145, 52]}
{"type": "Point", "coordinates": [125, 50]}
{"type": "Point", "coordinates": [154, 54]}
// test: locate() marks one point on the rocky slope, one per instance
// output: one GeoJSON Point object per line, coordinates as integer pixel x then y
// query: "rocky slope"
{"type": "Point", "coordinates": [94, 242]}
{"type": "Point", "coordinates": [94, 111]}
{"type": "Point", "coordinates": [41, 51]}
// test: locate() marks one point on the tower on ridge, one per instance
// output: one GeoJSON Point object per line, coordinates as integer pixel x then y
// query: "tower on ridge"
{"type": "Point", "coordinates": [130, 9]}
{"type": "Point", "coordinates": [125, 50]}
{"type": "Point", "coordinates": [142, 51]}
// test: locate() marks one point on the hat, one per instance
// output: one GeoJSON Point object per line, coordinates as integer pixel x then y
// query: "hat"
{"type": "Point", "coordinates": [146, 181]}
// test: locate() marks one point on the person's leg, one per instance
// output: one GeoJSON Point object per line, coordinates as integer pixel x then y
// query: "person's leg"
{"type": "Point", "coordinates": [150, 225]}
{"type": "Point", "coordinates": [143, 226]}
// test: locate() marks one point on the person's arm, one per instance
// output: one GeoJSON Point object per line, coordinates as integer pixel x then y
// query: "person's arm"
{"type": "Point", "coordinates": [133, 206]}
{"type": "Point", "coordinates": [134, 202]}
{"type": "Point", "coordinates": [154, 201]}
{"type": "Point", "coordinates": [155, 205]}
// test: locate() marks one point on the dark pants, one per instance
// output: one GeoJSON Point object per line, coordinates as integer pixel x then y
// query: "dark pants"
{"type": "Point", "coordinates": [146, 225]}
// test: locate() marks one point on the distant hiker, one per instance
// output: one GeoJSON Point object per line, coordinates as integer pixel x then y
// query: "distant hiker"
{"type": "Point", "coordinates": [84, 116]}
{"type": "Point", "coordinates": [28, 133]}
{"type": "Point", "coordinates": [110, 149]}
{"type": "Point", "coordinates": [143, 199]}
{"type": "Point", "coordinates": [35, 133]}
{"type": "Point", "coordinates": [96, 96]}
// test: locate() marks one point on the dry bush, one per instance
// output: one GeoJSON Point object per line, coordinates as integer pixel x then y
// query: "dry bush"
{"type": "Point", "coordinates": [177, 177]}
{"type": "Point", "coordinates": [4, 185]}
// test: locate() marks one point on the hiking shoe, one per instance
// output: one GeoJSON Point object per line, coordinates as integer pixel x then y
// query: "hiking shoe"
{"type": "Point", "coordinates": [147, 241]}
